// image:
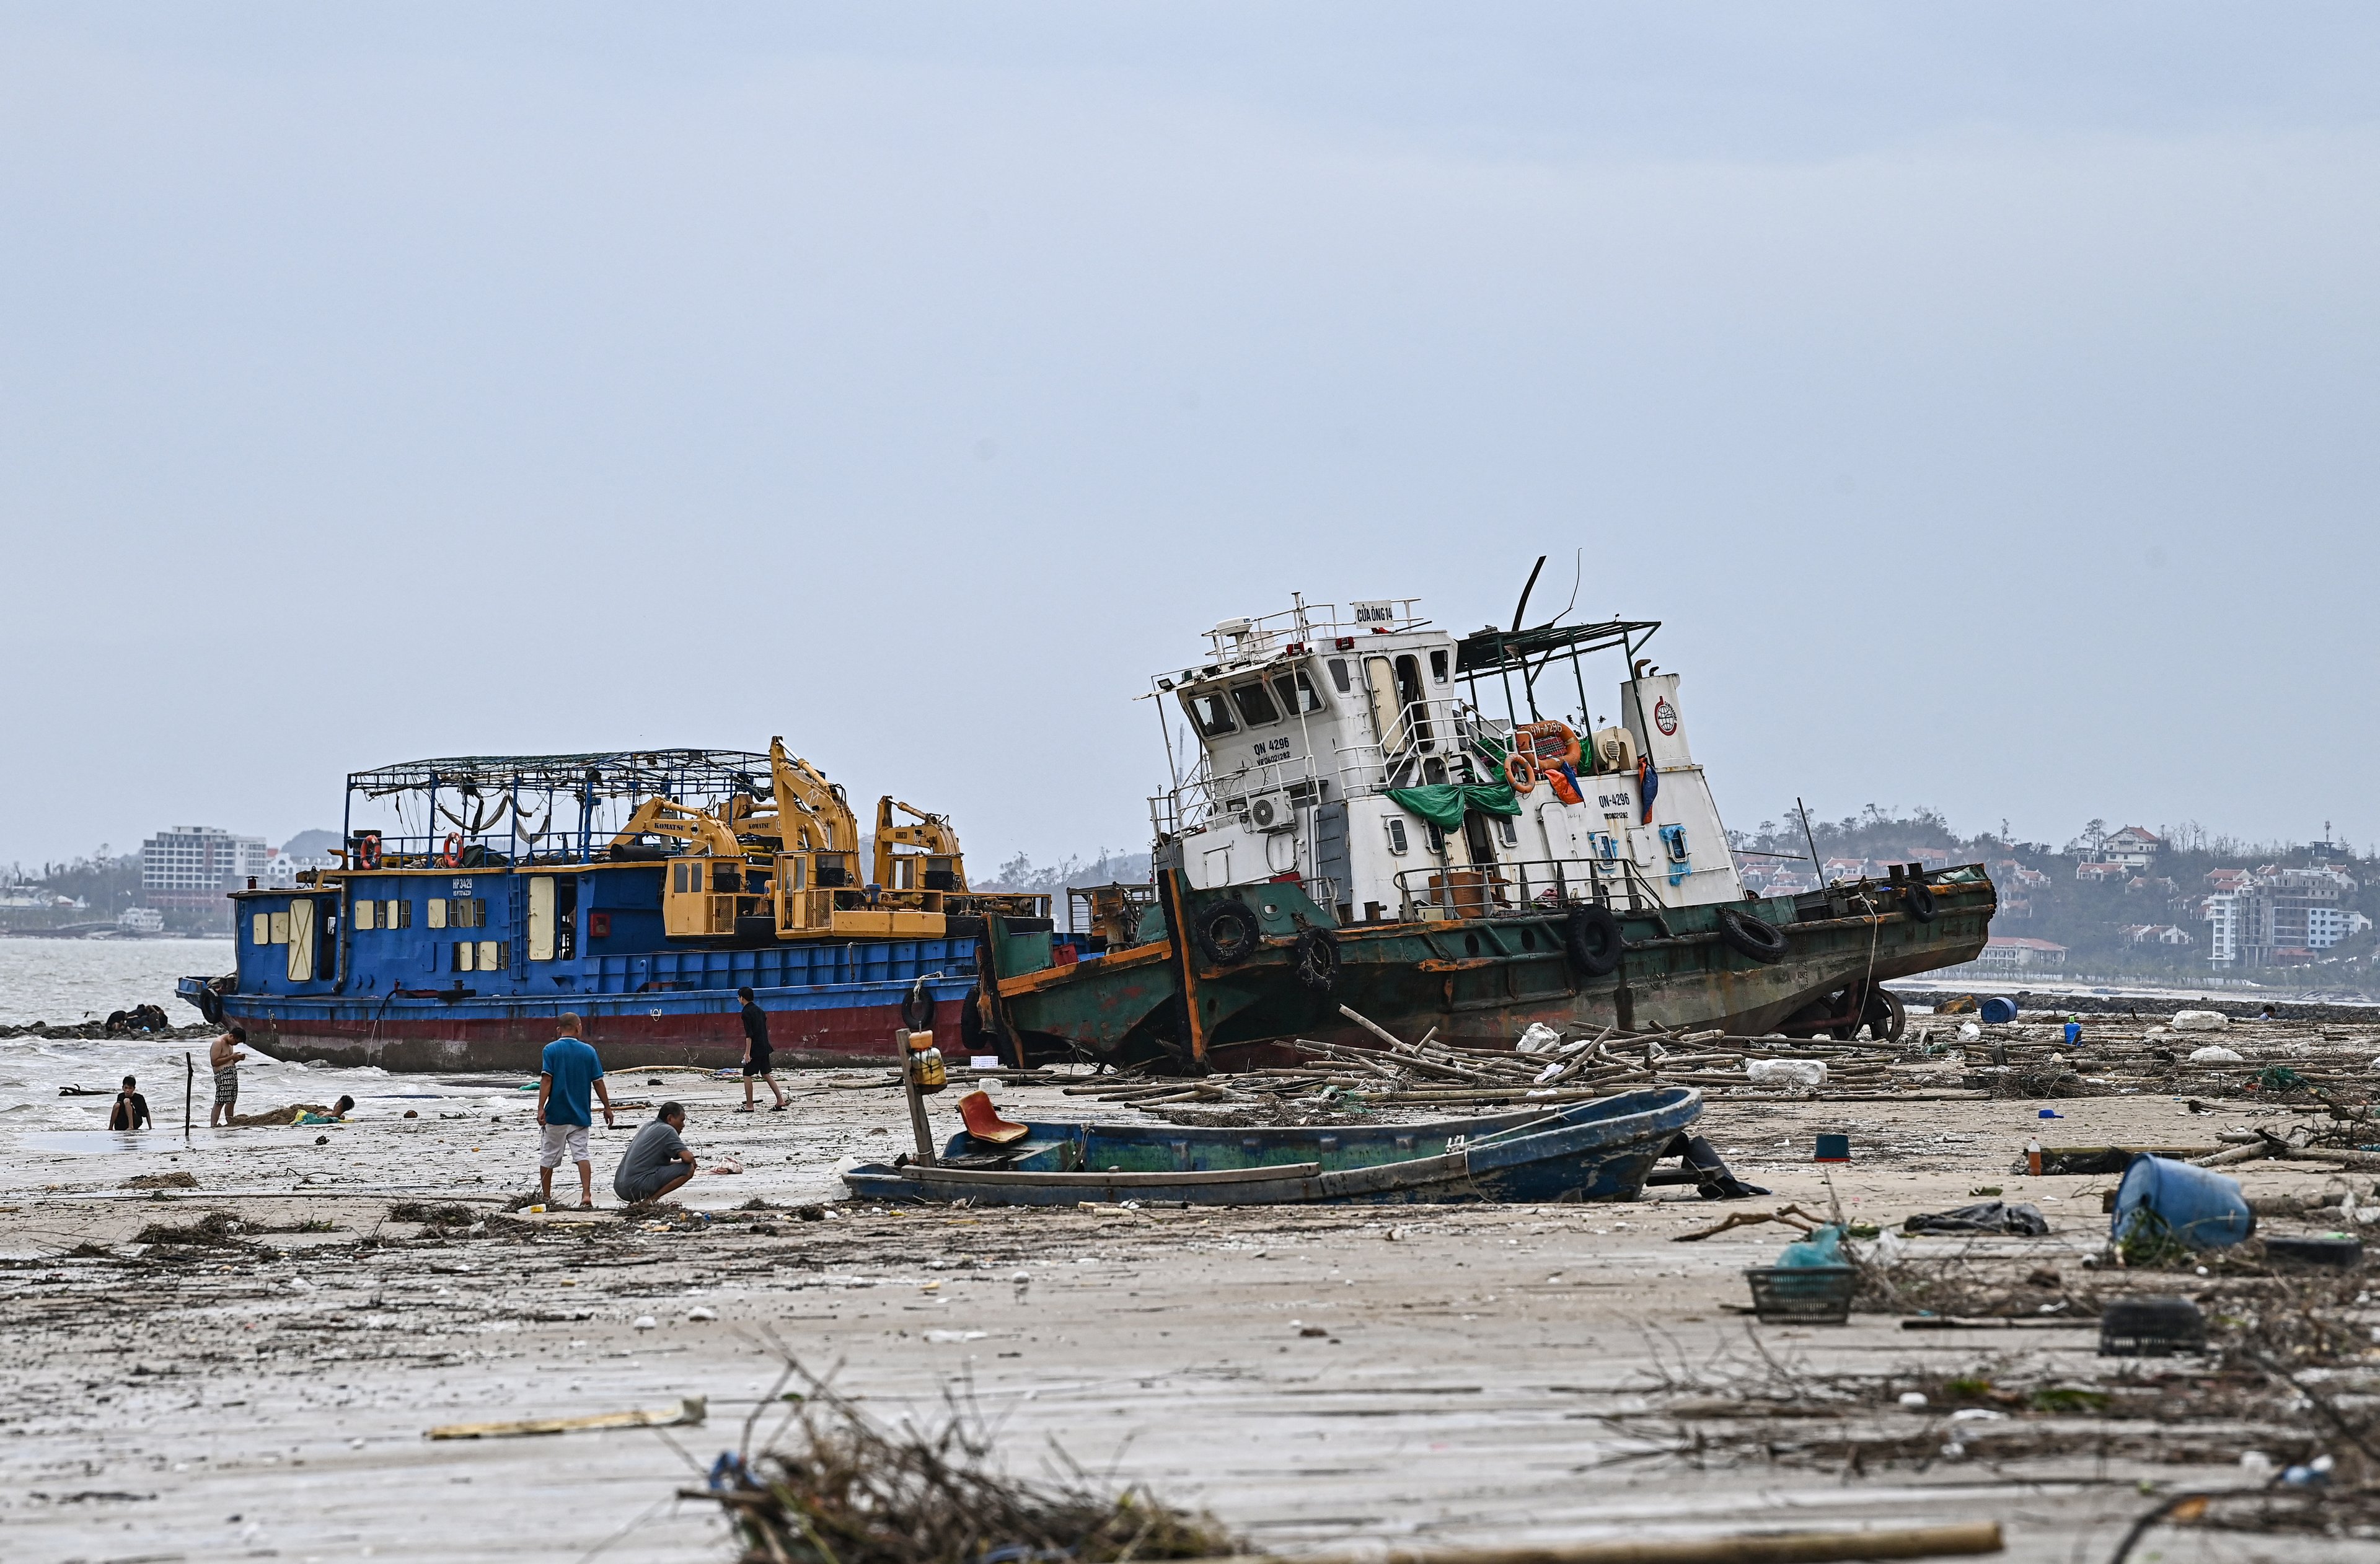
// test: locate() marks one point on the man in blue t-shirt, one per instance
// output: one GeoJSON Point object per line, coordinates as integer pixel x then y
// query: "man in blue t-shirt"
{"type": "Point", "coordinates": [568, 1068]}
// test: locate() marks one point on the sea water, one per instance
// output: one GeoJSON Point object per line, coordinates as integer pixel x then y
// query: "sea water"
{"type": "Point", "coordinates": [67, 981]}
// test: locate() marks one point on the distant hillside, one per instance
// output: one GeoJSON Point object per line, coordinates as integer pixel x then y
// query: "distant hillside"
{"type": "Point", "coordinates": [311, 843]}
{"type": "Point", "coordinates": [2109, 925]}
{"type": "Point", "coordinates": [1020, 873]}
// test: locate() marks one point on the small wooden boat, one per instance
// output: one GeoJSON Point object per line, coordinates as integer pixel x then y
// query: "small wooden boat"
{"type": "Point", "coordinates": [1600, 1150]}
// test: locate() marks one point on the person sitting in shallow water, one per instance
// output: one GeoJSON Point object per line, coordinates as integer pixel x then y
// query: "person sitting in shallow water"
{"type": "Point", "coordinates": [131, 1109]}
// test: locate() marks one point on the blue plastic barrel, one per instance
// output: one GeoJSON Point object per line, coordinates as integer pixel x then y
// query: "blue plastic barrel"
{"type": "Point", "coordinates": [2201, 1206]}
{"type": "Point", "coordinates": [1998, 1011]}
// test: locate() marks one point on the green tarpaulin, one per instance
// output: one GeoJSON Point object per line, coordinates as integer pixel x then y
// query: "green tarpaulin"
{"type": "Point", "coordinates": [1442, 805]}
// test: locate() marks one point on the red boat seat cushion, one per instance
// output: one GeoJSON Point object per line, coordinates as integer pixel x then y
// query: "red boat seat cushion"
{"type": "Point", "coordinates": [984, 1122]}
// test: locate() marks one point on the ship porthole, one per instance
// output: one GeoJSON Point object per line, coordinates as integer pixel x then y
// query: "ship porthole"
{"type": "Point", "coordinates": [1471, 944]}
{"type": "Point", "coordinates": [1528, 939]}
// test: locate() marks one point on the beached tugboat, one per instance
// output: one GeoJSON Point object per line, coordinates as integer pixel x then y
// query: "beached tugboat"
{"type": "Point", "coordinates": [1353, 830]}
{"type": "Point", "coordinates": [479, 899]}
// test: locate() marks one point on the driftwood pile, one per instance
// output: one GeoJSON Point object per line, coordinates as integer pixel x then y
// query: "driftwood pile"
{"type": "Point", "coordinates": [1572, 1065]}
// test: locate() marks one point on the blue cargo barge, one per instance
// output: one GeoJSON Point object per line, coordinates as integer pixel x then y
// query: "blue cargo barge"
{"type": "Point", "coordinates": [477, 899]}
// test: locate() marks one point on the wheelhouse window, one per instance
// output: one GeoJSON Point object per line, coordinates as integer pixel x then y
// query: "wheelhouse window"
{"type": "Point", "coordinates": [1298, 695]}
{"type": "Point", "coordinates": [1340, 678]}
{"type": "Point", "coordinates": [1256, 705]}
{"type": "Point", "coordinates": [1437, 666]}
{"type": "Point", "coordinates": [1210, 711]}
{"type": "Point", "coordinates": [1397, 841]}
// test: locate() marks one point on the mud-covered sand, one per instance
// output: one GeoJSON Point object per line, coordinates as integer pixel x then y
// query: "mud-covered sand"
{"type": "Point", "coordinates": [1439, 1374]}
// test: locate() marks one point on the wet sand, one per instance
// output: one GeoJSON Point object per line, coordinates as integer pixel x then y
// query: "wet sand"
{"type": "Point", "coordinates": [1434, 1373]}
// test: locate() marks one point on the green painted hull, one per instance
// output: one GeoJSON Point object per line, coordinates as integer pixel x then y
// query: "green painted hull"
{"type": "Point", "coordinates": [1482, 981]}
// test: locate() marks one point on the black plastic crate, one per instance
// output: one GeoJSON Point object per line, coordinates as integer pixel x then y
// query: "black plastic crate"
{"type": "Point", "coordinates": [2151, 1327]}
{"type": "Point", "coordinates": [1802, 1294]}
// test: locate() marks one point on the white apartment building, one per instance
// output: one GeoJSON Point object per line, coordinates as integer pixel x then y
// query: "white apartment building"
{"type": "Point", "coordinates": [189, 868]}
{"type": "Point", "coordinates": [2222, 914]}
{"type": "Point", "coordinates": [2277, 916]}
{"type": "Point", "coordinates": [2326, 926]}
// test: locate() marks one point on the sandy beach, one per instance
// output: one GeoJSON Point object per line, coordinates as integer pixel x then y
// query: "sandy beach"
{"type": "Point", "coordinates": [1446, 1375]}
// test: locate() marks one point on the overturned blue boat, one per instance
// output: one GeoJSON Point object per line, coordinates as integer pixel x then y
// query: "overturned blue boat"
{"type": "Point", "coordinates": [1600, 1150]}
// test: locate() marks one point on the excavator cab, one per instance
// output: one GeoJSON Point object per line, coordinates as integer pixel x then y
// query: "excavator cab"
{"type": "Point", "coordinates": [716, 897]}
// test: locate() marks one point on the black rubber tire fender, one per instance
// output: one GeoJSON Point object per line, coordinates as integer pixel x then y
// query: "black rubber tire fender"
{"type": "Point", "coordinates": [1750, 935]}
{"type": "Point", "coordinates": [1227, 931]}
{"type": "Point", "coordinates": [211, 1006]}
{"type": "Point", "coordinates": [918, 1008]}
{"type": "Point", "coordinates": [1315, 960]}
{"type": "Point", "coordinates": [1918, 898]}
{"type": "Point", "coordinates": [1592, 938]}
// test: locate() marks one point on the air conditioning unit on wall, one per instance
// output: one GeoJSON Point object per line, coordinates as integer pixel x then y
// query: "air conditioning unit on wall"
{"type": "Point", "coordinates": [1272, 811]}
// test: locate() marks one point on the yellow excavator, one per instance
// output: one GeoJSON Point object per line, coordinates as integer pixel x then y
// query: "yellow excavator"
{"type": "Point", "coordinates": [789, 864]}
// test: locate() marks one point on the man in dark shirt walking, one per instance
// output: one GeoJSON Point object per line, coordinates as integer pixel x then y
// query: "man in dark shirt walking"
{"type": "Point", "coordinates": [756, 1053]}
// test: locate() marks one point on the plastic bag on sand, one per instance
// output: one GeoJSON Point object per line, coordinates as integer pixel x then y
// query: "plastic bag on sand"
{"type": "Point", "coordinates": [1822, 1247]}
{"type": "Point", "coordinates": [2216, 1053]}
{"type": "Point", "coordinates": [1969, 1032]}
{"type": "Point", "coordinates": [2200, 1021]}
{"type": "Point", "coordinates": [1538, 1038]}
{"type": "Point", "coordinates": [1884, 1252]}
{"type": "Point", "coordinates": [1786, 1071]}
{"type": "Point", "coordinates": [1549, 1072]}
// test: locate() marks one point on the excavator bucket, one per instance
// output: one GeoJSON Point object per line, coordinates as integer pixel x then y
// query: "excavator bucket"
{"type": "Point", "coordinates": [984, 1122]}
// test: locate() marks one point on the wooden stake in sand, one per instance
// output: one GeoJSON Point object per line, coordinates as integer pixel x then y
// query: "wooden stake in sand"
{"type": "Point", "coordinates": [190, 1081]}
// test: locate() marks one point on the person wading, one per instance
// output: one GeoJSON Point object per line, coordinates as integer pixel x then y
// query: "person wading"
{"type": "Point", "coordinates": [756, 1053]}
{"type": "Point", "coordinates": [224, 1058]}
{"type": "Point", "coordinates": [568, 1068]}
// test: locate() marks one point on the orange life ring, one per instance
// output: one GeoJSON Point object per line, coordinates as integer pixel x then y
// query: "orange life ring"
{"type": "Point", "coordinates": [1564, 750]}
{"type": "Point", "coordinates": [1521, 770]}
{"type": "Point", "coordinates": [368, 850]}
{"type": "Point", "coordinates": [453, 857]}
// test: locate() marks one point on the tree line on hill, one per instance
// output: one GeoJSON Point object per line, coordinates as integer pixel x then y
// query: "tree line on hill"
{"type": "Point", "coordinates": [2089, 915]}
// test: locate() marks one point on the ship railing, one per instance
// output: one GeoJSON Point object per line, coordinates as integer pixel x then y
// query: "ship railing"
{"type": "Point", "coordinates": [1513, 888]}
{"type": "Point", "coordinates": [1427, 737]}
{"type": "Point", "coordinates": [1313, 624]}
{"type": "Point", "coordinates": [1204, 794]}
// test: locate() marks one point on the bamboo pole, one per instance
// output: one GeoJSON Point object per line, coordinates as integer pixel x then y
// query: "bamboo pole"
{"type": "Point", "coordinates": [1965, 1539]}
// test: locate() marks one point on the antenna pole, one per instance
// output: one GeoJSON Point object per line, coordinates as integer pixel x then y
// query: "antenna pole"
{"type": "Point", "coordinates": [1815, 872]}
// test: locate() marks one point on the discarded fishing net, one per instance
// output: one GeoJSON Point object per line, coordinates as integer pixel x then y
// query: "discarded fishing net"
{"type": "Point", "coordinates": [832, 1486]}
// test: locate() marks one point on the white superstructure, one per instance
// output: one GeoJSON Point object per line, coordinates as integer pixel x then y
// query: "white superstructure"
{"type": "Point", "coordinates": [1298, 729]}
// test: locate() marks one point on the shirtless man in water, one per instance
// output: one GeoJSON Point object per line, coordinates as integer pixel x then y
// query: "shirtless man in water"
{"type": "Point", "coordinates": [224, 1058]}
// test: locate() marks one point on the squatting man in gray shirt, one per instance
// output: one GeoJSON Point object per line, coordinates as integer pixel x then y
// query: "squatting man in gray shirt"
{"type": "Point", "coordinates": [657, 1160]}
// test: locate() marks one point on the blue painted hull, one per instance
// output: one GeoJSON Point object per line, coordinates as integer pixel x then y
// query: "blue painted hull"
{"type": "Point", "coordinates": [1587, 1151]}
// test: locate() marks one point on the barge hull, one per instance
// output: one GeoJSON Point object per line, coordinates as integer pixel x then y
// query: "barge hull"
{"type": "Point", "coordinates": [629, 1031]}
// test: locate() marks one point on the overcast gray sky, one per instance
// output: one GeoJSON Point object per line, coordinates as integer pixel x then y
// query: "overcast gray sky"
{"type": "Point", "coordinates": [1985, 395]}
